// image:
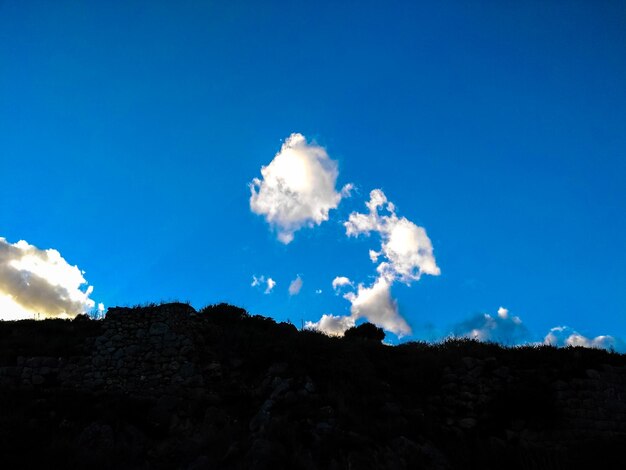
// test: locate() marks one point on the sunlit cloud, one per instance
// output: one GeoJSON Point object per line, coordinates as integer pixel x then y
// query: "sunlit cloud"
{"type": "Point", "coordinates": [297, 188]}
{"type": "Point", "coordinates": [405, 254]}
{"type": "Point", "coordinates": [375, 304]}
{"type": "Point", "coordinates": [332, 325]}
{"type": "Point", "coordinates": [339, 282]}
{"type": "Point", "coordinates": [295, 286]}
{"type": "Point", "coordinates": [40, 283]}
{"type": "Point", "coordinates": [406, 250]}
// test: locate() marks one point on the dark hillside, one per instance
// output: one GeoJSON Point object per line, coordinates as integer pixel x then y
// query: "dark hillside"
{"type": "Point", "coordinates": [165, 387]}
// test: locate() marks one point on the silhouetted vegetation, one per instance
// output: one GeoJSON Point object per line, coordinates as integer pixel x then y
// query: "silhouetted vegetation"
{"type": "Point", "coordinates": [162, 387]}
{"type": "Point", "coordinates": [366, 331]}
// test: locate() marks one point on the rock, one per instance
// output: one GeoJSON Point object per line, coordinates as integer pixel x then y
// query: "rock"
{"type": "Point", "coordinates": [37, 380]}
{"type": "Point", "coordinates": [278, 368]}
{"type": "Point", "coordinates": [323, 427]}
{"type": "Point", "coordinates": [467, 423]}
{"type": "Point", "coordinates": [259, 421]}
{"type": "Point", "coordinates": [97, 436]}
{"type": "Point", "coordinates": [469, 362]}
{"type": "Point", "coordinates": [280, 387]}
{"type": "Point", "coordinates": [390, 408]}
{"type": "Point", "coordinates": [592, 374]}
{"type": "Point", "coordinates": [201, 463]}
{"type": "Point", "coordinates": [158, 328]}
{"type": "Point", "coordinates": [187, 370]}
{"type": "Point", "coordinates": [265, 454]}
{"type": "Point", "coordinates": [235, 362]}
{"type": "Point", "coordinates": [502, 372]}
{"type": "Point", "coordinates": [290, 397]}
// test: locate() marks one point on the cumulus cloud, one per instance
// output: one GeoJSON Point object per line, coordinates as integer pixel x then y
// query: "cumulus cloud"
{"type": "Point", "coordinates": [406, 250]}
{"type": "Point", "coordinates": [297, 188]}
{"type": "Point", "coordinates": [501, 328]}
{"type": "Point", "coordinates": [405, 254]}
{"type": "Point", "coordinates": [376, 305]}
{"type": "Point", "coordinates": [261, 281]}
{"type": "Point", "coordinates": [295, 286]}
{"type": "Point", "coordinates": [333, 325]}
{"type": "Point", "coordinates": [40, 282]}
{"type": "Point", "coordinates": [562, 336]}
{"type": "Point", "coordinates": [339, 282]}
{"type": "Point", "coordinates": [373, 304]}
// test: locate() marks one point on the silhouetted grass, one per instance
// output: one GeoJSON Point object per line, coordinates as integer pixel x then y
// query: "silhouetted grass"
{"type": "Point", "coordinates": [370, 402]}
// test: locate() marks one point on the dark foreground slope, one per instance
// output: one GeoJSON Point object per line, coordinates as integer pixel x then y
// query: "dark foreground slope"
{"type": "Point", "coordinates": [165, 387]}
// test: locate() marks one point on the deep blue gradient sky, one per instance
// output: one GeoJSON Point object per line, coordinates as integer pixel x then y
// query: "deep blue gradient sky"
{"type": "Point", "coordinates": [129, 132]}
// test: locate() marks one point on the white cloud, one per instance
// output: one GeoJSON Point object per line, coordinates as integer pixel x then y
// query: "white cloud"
{"type": "Point", "coordinates": [562, 336]}
{"type": "Point", "coordinates": [340, 281]}
{"type": "Point", "coordinates": [39, 282]}
{"type": "Point", "coordinates": [407, 253]}
{"type": "Point", "coordinates": [295, 286]}
{"type": "Point", "coordinates": [261, 281]}
{"type": "Point", "coordinates": [406, 248]}
{"type": "Point", "coordinates": [376, 305]}
{"type": "Point", "coordinates": [318, 291]}
{"type": "Point", "coordinates": [346, 191]}
{"type": "Point", "coordinates": [333, 325]}
{"type": "Point", "coordinates": [503, 313]}
{"type": "Point", "coordinates": [503, 328]}
{"type": "Point", "coordinates": [297, 188]}
{"type": "Point", "coordinates": [373, 304]}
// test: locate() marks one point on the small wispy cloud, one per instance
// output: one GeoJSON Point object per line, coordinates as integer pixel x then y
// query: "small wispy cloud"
{"type": "Point", "coordinates": [339, 282]}
{"type": "Point", "coordinates": [297, 188]}
{"type": "Point", "coordinates": [261, 281]}
{"type": "Point", "coordinates": [295, 286]}
{"type": "Point", "coordinates": [40, 282]}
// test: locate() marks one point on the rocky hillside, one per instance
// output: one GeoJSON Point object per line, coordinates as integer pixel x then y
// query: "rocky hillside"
{"type": "Point", "coordinates": [166, 387]}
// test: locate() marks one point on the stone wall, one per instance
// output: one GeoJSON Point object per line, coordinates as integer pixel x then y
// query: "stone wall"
{"type": "Point", "coordinates": [208, 389]}
{"type": "Point", "coordinates": [139, 351]}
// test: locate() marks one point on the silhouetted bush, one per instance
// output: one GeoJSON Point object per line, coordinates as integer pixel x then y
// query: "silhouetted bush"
{"type": "Point", "coordinates": [82, 317]}
{"type": "Point", "coordinates": [366, 331]}
{"type": "Point", "coordinates": [224, 313]}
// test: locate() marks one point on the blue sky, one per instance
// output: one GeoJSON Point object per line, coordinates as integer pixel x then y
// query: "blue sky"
{"type": "Point", "coordinates": [129, 135]}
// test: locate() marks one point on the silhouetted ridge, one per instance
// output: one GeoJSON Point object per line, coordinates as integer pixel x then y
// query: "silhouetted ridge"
{"type": "Point", "coordinates": [166, 386]}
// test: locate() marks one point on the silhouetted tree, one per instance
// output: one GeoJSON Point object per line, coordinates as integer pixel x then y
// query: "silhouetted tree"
{"type": "Point", "coordinates": [366, 331]}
